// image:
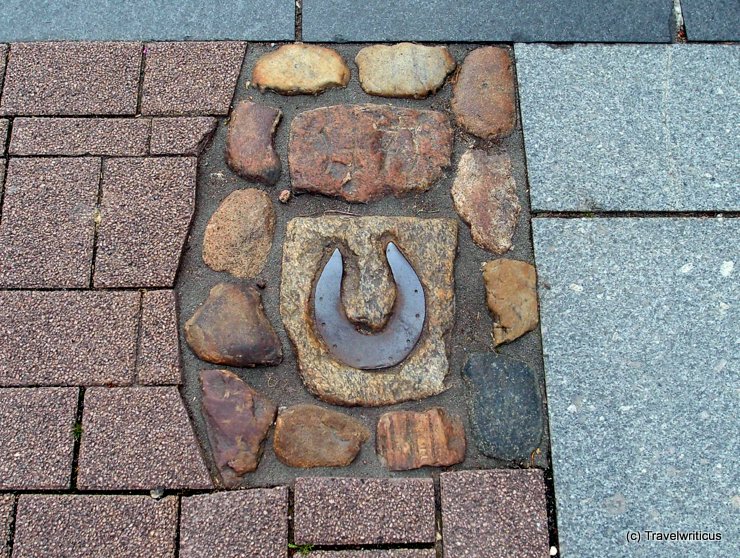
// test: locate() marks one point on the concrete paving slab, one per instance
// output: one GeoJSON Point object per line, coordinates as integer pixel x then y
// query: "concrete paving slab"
{"type": "Point", "coordinates": [165, 20]}
{"type": "Point", "coordinates": [711, 20]}
{"type": "Point", "coordinates": [47, 224]}
{"type": "Point", "coordinates": [7, 511]}
{"type": "Point", "coordinates": [159, 341]}
{"type": "Point", "coordinates": [68, 337]}
{"type": "Point", "coordinates": [76, 79]}
{"type": "Point", "coordinates": [352, 511]}
{"type": "Point", "coordinates": [181, 135]}
{"type": "Point", "coordinates": [95, 526]}
{"type": "Point", "coordinates": [390, 553]}
{"type": "Point", "coordinates": [244, 523]}
{"type": "Point", "coordinates": [492, 20]}
{"type": "Point", "coordinates": [4, 126]}
{"type": "Point", "coordinates": [36, 438]}
{"type": "Point", "coordinates": [138, 438]}
{"type": "Point", "coordinates": [622, 128]}
{"type": "Point", "coordinates": [640, 328]}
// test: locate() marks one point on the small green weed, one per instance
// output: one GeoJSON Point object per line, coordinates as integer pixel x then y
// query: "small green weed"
{"type": "Point", "coordinates": [77, 431]}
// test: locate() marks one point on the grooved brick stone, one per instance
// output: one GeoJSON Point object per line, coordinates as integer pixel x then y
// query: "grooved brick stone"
{"type": "Point", "coordinates": [80, 136]}
{"type": "Point", "coordinates": [347, 511]}
{"type": "Point", "coordinates": [242, 523]}
{"type": "Point", "coordinates": [7, 504]}
{"type": "Point", "coordinates": [159, 346]}
{"type": "Point", "coordinates": [95, 526]}
{"type": "Point", "coordinates": [67, 337]}
{"type": "Point", "coordinates": [47, 227]}
{"type": "Point", "coordinates": [69, 78]}
{"type": "Point", "coordinates": [146, 208]}
{"type": "Point", "coordinates": [181, 136]}
{"type": "Point", "coordinates": [36, 438]}
{"type": "Point", "coordinates": [191, 78]}
{"type": "Point", "coordinates": [138, 438]}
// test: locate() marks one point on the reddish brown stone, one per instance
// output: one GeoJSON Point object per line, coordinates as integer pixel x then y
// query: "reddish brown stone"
{"type": "Point", "coordinates": [231, 328]}
{"type": "Point", "coordinates": [365, 152]}
{"type": "Point", "coordinates": [181, 136]}
{"type": "Point", "coordinates": [407, 440]}
{"type": "Point", "coordinates": [484, 96]}
{"type": "Point", "coordinates": [311, 436]}
{"type": "Point", "coordinates": [511, 294]}
{"type": "Point", "coordinates": [237, 419]}
{"type": "Point", "coordinates": [249, 145]}
{"type": "Point", "coordinates": [484, 194]}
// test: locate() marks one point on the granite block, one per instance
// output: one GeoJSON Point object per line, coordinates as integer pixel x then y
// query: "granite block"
{"type": "Point", "coordinates": [640, 325]}
{"type": "Point", "coordinates": [711, 20]}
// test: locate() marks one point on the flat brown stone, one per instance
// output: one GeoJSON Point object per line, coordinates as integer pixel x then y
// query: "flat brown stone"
{"type": "Point", "coordinates": [362, 153]}
{"type": "Point", "coordinates": [239, 234]}
{"type": "Point", "coordinates": [299, 68]}
{"type": "Point", "coordinates": [181, 135]}
{"type": "Point", "coordinates": [484, 95]}
{"type": "Point", "coordinates": [484, 194]}
{"type": "Point", "coordinates": [237, 420]}
{"type": "Point", "coordinates": [231, 328]}
{"type": "Point", "coordinates": [511, 294]}
{"type": "Point", "coordinates": [311, 436]}
{"type": "Point", "coordinates": [159, 344]}
{"type": "Point", "coordinates": [249, 144]}
{"type": "Point", "coordinates": [408, 440]}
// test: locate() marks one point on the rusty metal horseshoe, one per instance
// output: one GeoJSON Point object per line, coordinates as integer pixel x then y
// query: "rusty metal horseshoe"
{"type": "Point", "coordinates": [370, 351]}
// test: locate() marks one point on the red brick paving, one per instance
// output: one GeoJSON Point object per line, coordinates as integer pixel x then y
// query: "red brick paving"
{"type": "Point", "coordinates": [36, 438]}
{"type": "Point", "coordinates": [76, 79]}
{"type": "Point", "coordinates": [181, 136]}
{"type": "Point", "coordinates": [138, 438]}
{"type": "Point", "coordinates": [51, 526]}
{"type": "Point", "coordinates": [67, 337]}
{"type": "Point", "coordinates": [159, 348]}
{"type": "Point", "coordinates": [47, 226]}
{"type": "Point", "coordinates": [243, 523]}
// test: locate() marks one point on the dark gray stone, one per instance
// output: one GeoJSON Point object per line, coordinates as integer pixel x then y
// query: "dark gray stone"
{"type": "Point", "coordinates": [711, 20]}
{"type": "Point", "coordinates": [505, 406]}
{"type": "Point", "coordinates": [34, 20]}
{"type": "Point", "coordinates": [487, 20]}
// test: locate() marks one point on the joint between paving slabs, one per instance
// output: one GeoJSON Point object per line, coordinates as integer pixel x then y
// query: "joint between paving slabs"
{"type": "Point", "coordinates": [96, 226]}
{"type": "Point", "coordinates": [77, 434]}
{"type": "Point", "coordinates": [604, 214]}
{"type": "Point", "coordinates": [298, 20]}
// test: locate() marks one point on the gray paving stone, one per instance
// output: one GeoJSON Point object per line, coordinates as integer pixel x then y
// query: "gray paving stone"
{"type": "Point", "coordinates": [624, 128]}
{"type": "Point", "coordinates": [487, 20]}
{"type": "Point", "coordinates": [159, 341]}
{"type": "Point", "coordinates": [76, 79]}
{"type": "Point", "coordinates": [36, 438]}
{"type": "Point", "coordinates": [47, 226]}
{"type": "Point", "coordinates": [351, 511]}
{"type": "Point", "coordinates": [497, 514]}
{"type": "Point", "coordinates": [68, 337]}
{"type": "Point", "coordinates": [138, 438]}
{"type": "Point", "coordinates": [240, 523]}
{"type": "Point", "coordinates": [711, 20]}
{"type": "Point", "coordinates": [165, 20]}
{"type": "Point", "coordinates": [95, 526]}
{"type": "Point", "coordinates": [640, 328]}
{"type": "Point", "coordinates": [7, 508]}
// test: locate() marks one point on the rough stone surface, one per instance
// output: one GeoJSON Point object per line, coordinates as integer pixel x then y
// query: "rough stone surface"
{"type": "Point", "coordinates": [138, 438]}
{"type": "Point", "coordinates": [711, 20]}
{"type": "Point", "coordinates": [404, 69]}
{"type": "Point", "coordinates": [311, 436]}
{"type": "Point", "coordinates": [501, 511]}
{"type": "Point", "coordinates": [511, 295]}
{"type": "Point", "coordinates": [190, 78]}
{"type": "Point", "coordinates": [599, 136]}
{"type": "Point", "coordinates": [145, 214]}
{"type": "Point", "coordinates": [68, 78]}
{"type": "Point", "coordinates": [95, 526]}
{"type": "Point", "coordinates": [249, 145]}
{"type": "Point", "coordinates": [484, 194]}
{"type": "Point", "coordinates": [408, 440]}
{"type": "Point", "coordinates": [299, 68]}
{"type": "Point", "coordinates": [390, 553]}
{"type": "Point", "coordinates": [7, 508]}
{"type": "Point", "coordinates": [231, 328]}
{"type": "Point", "coordinates": [238, 419]}
{"type": "Point", "coordinates": [238, 237]}
{"type": "Point", "coordinates": [80, 136]}
{"type": "Point", "coordinates": [484, 95]}
{"type": "Point", "coordinates": [181, 135]}
{"type": "Point", "coordinates": [67, 337]}
{"type": "Point", "coordinates": [346, 511]}
{"type": "Point", "coordinates": [640, 326]}
{"type": "Point", "coordinates": [365, 152]}
{"type": "Point", "coordinates": [506, 408]}
{"type": "Point", "coordinates": [369, 292]}
{"type": "Point", "coordinates": [47, 226]}
{"type": "Point", "coordinates": [159, 342]}
{"type": "Point", "coordinates": [36, 439]}
{"type": "Point", "coordinates": [4, 125]}
{"type": "Point", "coordinates": [243, 523]}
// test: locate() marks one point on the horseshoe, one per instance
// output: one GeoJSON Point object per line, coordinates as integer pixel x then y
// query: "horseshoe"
{"type": "Point", "coordinates": [370, 351]}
